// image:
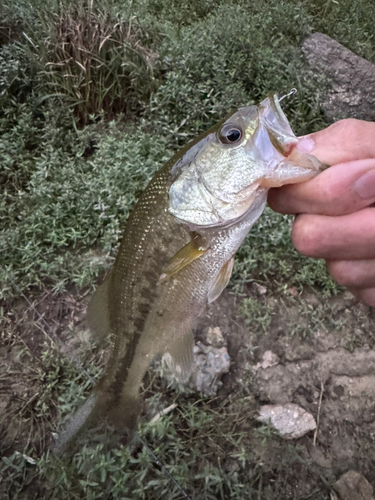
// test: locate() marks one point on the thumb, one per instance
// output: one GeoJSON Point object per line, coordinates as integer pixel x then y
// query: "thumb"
{"type": "Point", "coordinates": [339, 190]}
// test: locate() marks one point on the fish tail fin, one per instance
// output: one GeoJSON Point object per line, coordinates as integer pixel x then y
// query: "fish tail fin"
{"type": "Point", "coordinates": [101, 413]}
{"type": "Point", "coordinates": [74, 428]}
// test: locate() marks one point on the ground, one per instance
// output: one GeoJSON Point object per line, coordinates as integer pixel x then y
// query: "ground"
{"type": "Point", "coordinates": [332, 359]}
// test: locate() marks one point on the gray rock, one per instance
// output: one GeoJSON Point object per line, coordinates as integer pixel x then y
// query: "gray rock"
{"type": "Point", "coordinates": [352, 92]}
{"type": "Point", "coordinates": [353, 486]}
{"type": "Point", "coordinates": [269, 359]}
{"type": "Point", "coordinates": [210, 363]}
{"type": "Point", "coordinates": [290, 420]}
{"type": "Point", "coordinates": [214, 336]}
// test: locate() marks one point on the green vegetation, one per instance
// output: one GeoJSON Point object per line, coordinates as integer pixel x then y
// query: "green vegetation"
{"type": "Point", "coordinates": [172, 78]}
{"type": "Point", "coordinates": [94, 98]}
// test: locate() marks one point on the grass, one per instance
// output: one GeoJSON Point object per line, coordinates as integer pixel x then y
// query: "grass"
{"type": "Point", "coordinates": [91, 58]}
{"type": "Point", "coordinates": [94, 98]}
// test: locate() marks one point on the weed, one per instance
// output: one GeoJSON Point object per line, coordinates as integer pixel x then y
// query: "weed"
{"type": "Point", "coordinates": [96, 60]}
{"type": "Point", "coordinates": [258, 316]}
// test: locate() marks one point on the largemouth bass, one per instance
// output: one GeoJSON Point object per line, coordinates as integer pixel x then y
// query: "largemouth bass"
{"type": "Point", "coordinates": [177, 254]}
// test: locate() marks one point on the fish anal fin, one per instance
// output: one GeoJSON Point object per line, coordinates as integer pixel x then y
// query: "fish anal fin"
{"type": "Point", "coordinates": [97, 316]}
{"type": "Point", "coordinates": [221, 281]}
{"type": "Point", "coordinates": [179, 357]}
{"type": "Point", "coordinates": [188, 254]}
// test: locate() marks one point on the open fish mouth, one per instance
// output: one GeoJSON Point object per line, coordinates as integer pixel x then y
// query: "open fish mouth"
{"type": "Point", "coordinates": [253, 150]}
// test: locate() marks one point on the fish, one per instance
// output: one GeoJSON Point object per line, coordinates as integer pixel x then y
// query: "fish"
{"type": "Point", "coordinates": [177, 254]}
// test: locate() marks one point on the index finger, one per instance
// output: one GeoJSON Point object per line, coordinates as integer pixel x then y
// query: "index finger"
{"type": "Point", "coordinates": [332, 193]}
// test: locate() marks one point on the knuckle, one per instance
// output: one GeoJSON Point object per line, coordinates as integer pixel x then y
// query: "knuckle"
{"type": "Point", "coordinates": [327, 192]}
{"type": "Point", "coordinates": [304, 236]}
{"type": "Point", "coordinates": [346, 132]}
{"type": "Point", "coordinates": [348, 126]}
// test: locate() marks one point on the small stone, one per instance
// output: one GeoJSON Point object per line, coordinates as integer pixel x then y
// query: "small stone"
{"type": "Point", "coordinates": [269, 359]}
{"type": "Point", "coordinates": [353, 486]}
{"type": "Point", "coordinates": [290, 420]}
{"type": "Point", "coordinates": [293, 291]}
{"type": "Point", "coordinates": [260, 289]}
{"type": "Point", "coordinates": [214, 336]}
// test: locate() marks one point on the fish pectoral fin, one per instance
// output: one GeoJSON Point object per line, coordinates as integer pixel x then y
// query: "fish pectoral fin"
{"type": "Point", "coordinates": [188, 254]}
{"type": "Point", "coordinates": [97, 316]}
{"type": "Point", "coordinates": [221, 281]}
{"type": "Point", "coordinates": [179, 357]}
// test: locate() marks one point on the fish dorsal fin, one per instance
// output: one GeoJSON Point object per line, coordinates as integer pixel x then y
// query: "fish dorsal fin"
{"type": "Point", "coordinates": [98, 311]}
{"type": "Point", "coordinates": [221, 281]}
{"type": "Point", "coordinates": [179, 357]}
{"type": "Point", "coordinates": [188, 254]}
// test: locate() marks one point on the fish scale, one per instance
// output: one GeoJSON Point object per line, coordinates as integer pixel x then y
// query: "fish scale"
{"type": "Point", "coordinates": [177, 254]}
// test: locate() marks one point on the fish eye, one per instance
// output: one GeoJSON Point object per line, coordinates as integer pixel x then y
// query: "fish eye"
{"type": "Point", "coordinates": [230, 134]}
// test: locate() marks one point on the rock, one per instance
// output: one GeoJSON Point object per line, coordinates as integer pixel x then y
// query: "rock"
{"type": "Point", "coordinates": [210, 363]}
{"type": "Point", "coordinates": [353, 486]}
{"type": "Point", "coordinates": [260, 289]}
{"type": "Point", "coordinates": [214, 337]}
{"type": "Point", "coordinates": [351, 94]}
{"type": "Point", "coordinates": [290, 420]}
{"type": "Point", "coordinates": [269, 359]}
{"type": "Point", "coordinates": [293, 291]}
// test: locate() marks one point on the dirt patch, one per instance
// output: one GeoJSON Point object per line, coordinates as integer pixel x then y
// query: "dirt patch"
{"type": "Point", "coordinates": [325, 364]}
{"type": "Point", "coordinates": [319, 344]}
{"type": "Point", "coordinates": [28, 329]}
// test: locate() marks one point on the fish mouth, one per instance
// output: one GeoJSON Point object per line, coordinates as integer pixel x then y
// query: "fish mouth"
{"type": "Point", "coordinates": [275, 122]}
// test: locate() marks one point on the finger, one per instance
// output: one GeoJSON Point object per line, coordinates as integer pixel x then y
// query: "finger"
{"type": "Point", "coordinates": [345, 237]}
{"type": "Point", "coordinates": [341, 189]}
{"type": "Point", "coordinates": [353, 273]}
{"type": "Point", "coordinates": [366, 295]}
{"type": "Point", "coordinates": [344, 141]}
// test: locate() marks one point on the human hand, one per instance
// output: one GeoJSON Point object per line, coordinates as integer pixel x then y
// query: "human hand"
{"type": "Point", "coordinates": [337, 208]}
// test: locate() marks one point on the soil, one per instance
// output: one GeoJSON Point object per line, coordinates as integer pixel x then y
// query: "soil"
{"type": "Point", "coordinates": [325, 365]}
{"type": "Point", "coordinates": [334, 365]}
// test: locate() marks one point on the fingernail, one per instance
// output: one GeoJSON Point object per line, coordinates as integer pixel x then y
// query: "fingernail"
{"type": "Point", "coordinates": [306, 144]}
{"type": "Point", "coordinates": [365, 185]}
